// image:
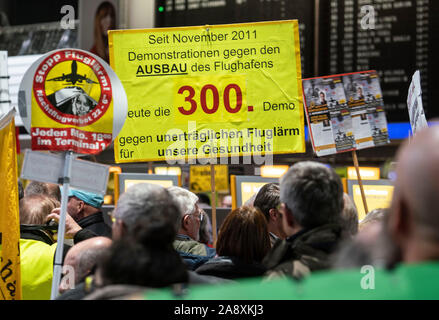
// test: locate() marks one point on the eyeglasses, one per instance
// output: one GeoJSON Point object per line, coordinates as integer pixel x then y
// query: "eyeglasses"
{"type": "Point", "coordinates": [197, 214]}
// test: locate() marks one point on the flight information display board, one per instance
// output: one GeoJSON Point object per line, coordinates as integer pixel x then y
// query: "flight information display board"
{"type": "Point", "coordinates": [396, 38]}
{"type": "Point", "coordinates": [403, 38]}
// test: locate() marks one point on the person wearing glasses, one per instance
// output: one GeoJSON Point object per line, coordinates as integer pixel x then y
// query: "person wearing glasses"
{"type": "Point", "coordinates": [187, 244]}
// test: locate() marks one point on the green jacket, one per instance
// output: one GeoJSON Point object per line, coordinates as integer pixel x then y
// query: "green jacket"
{"type": "Point", "coordinates": [405, 282]}
{"type": "Point", "coordinates": [193, 253]}
{"type": "Point", "coordinates": [185, 244]}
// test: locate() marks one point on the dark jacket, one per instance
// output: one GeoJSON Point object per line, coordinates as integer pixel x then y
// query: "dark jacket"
{"type": "Point", "coordinates": [306, 251]}
{"type": "Point", "coordinates": [78, 292]}
{"type": "Point", "coordinates": [96, 223]}
{"type": "Point", "coordinates": [194, 253]}
{"type": "Point", "coordinates": [230, 268]}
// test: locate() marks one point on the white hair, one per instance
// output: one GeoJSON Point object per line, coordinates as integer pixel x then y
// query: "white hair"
{"type": "Point", "coordinates": [186, 200]}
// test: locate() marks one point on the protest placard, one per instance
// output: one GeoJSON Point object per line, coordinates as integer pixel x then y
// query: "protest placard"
{"type": "Point", "coordinates": [414, 104]}
{"type": "Point", "coordinates": [345, 112]}
{"type": "Point", "coordinates": [71, 101]}
{"type": "Point", "coordinates": [328, 115]}
{"type": "Point", "coordinates": [67, 102]}
{"type": "Point", "coordinates": [365, 101]}
{"type": "Point", "coordinates": [209, 91]}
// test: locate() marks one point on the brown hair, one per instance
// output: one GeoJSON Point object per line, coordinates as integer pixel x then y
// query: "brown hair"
{"type": "Point", "coordinates": [101, 44]}
{"type": "Point", "coordinates": [244, 235]}
{"type": "Point", "coordinates": [45, 188]}
{"type": "Point", "coordinates": [35, 208]}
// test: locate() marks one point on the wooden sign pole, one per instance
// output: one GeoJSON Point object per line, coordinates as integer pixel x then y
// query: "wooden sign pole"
{"type": "Point", "coordinates": [357, 168]}
{"type": "Point", "coordinates": [213, 204]}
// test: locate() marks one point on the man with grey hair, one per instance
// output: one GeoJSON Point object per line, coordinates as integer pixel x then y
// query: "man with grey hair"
{"type": "Point", "coordinates": [139, 200]}
{"type": "Point", "coordinates": [194, 253]}
{"type": "Point", "coordinates": [311, 197]}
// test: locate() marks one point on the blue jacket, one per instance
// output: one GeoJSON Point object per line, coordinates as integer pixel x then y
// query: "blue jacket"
{"type": "Point", "coordinates": [194, 253]}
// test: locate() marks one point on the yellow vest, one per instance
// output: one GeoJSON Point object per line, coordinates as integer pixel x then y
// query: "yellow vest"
{"type": "Point", "coordinates": [36, 269]}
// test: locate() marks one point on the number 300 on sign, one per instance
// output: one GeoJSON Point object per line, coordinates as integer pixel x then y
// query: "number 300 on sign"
{"type": "Point", "coordinates": [208, 99]}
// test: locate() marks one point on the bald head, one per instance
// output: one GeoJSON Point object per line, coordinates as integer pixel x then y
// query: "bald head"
{"type": "Point", "coordinates": [82, 257]}
{"type": "Point", "coordinates": [417, 186]}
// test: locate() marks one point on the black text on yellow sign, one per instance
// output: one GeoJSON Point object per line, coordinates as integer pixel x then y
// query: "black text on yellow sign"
{"type": "Point", "coordinates": [210, 91]}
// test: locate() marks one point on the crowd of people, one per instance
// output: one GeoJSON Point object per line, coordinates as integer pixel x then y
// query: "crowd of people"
{"type": "Point", "coordinates": [303, 231]}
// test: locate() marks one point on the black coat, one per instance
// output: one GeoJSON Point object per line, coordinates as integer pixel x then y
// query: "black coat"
{"type": "Point", "coordinates": [306, 251]}
{"type": "Point", "coordinates": [96, 223]}
{"type": "Point", "coordinates": [230, 268]}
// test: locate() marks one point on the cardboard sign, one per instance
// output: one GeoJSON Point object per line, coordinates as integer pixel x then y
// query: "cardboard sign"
{"type": "Point", "coordinates": [414, 104]}
{"type": "Point", "coordinates": [209, 91]}
{"type": "Point", "coordinates": [68, 99]}
{"type": "Point", "coordinates": [5, 101]}
{"type": "Point", "coordinates": [49, 167]}
{"type": "Point", "coordinates": [330, 120]}
{"type": "Point", "coordinates": [345, 112]}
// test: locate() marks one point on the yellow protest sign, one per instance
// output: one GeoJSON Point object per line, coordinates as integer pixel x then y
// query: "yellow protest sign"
{"type": "Point", "coordinates": [10, 274]}
{"type": "Point", "coordinates": [200, 178]}
{"type": "Point", "coordinates": [209, 91]}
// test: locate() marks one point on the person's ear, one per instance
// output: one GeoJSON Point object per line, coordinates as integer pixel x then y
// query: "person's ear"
{"type": "Point", "coordinates": [399, 219]}
{"type": "Point", "coordinates": [274, 214]}
{"type": "Point", "coordinates": [81, 205]}
{"type": "Point", "coordinates": [289, 224]}
{"type": "Point", "coordinates": [119, 229]}
{"type": "Point", "coordinates": [186, 223]}
{"type": "Point", "coordinates": [290, 217]}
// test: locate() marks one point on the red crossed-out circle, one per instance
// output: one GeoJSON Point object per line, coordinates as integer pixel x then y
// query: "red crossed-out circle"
{"type": "Point", "coordinates": [51, 111]}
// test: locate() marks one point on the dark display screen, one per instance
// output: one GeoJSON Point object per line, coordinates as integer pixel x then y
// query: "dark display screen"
{"type": "Point", "coordinates": [402, 38]}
